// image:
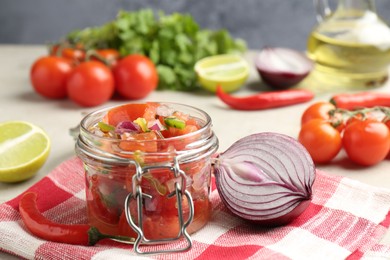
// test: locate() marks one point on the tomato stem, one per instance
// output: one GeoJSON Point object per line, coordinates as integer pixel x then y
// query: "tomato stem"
{"type": "Point", "coordinates": [341, 115]}
{"type": "Point", "coordinates": [92, 53]}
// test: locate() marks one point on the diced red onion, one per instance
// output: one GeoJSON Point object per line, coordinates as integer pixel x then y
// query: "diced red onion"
{"type": "Point", "coordinates": [171, 183]}
{"type": "Point", "coordinates": [126, 127]}
{"type": "Point", "coordinates": [200, 179]}
{"type": "Point", "coordinates": [164, 110]}
{"type": "Point", "coordinates": [266, 178]}
{"type": "Point", "coordinates": [151, 203]}
{"type": "Point", "coordinates": [156, 125]}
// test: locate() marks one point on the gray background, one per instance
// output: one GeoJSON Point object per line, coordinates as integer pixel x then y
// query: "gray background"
{"type": "Point", "coordinates": [284, 23]}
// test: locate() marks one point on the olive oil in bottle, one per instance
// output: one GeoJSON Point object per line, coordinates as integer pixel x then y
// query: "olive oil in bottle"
{"type": "Point", "coordinates": [350, 47]}
{"type": "Point", "coordinates": [351, 64]}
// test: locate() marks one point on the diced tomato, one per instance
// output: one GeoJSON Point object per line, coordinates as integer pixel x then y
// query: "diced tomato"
{"type": "Point", "coordinates": [128, 112]}
{"type": "Point", "coordinates": [150, 111]}
{"type": "Point", "coordinates": [155, 227]}
{"type": "Point", "coordinates": [202, 209]}
{"type": "Point", "coordinates": [192, 168]}
{"type": "Point", "coordinates": [160, 212]}
{"type": "Point", "coordinates": [167, 226]}
{"type": "Point", "coordinates": [131, 112]}
{"type": "Point", "coordinates": [192, 121]}
{"type": "Point", "coordinates": [186, 130]}
{"type": "Point", "coordinates": [124, 228]}
{"type": "Point", "coordinates": [180, 143]}
{"type": "Point", "coordinates": [181, 116]}
{"type": "Point", "coordinates": [142, 141]}
{"type": "Point", "coordinates": [160, 227]}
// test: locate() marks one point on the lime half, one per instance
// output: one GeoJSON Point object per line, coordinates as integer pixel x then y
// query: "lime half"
{"type": "Point", "coordinates": [230, 71]}
{"type": "Point", "coordinates": [24, 149]}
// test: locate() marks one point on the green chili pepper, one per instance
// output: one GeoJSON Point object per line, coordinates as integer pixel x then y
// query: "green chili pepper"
{"type": "Point", "coordinates": [105, 127]}
{"type": "Point", "coordinates": [175, 122]}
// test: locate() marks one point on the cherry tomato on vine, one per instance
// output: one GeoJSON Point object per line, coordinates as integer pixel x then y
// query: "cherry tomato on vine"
{"type": "Point", "coordinates": [48, 76]}
{"type": "Point", "coordinates": [366, 142]}
{"type": "Point", "coordinates": [76, 54]}
{"type": "Point", "coordinates": [135, 76]}
{"type": "Point", "coordinates": [360, 117]}
{"type": "Point", "coordinates": [110, 56]}
{"type": "Point", "coordinates": [317, 110]}
{"type": "Point", "coordinates": [386, 121]}
{"type": "Point", "coordinates": [90, 84]}
{"type": "Point", "coordinates": [321, 139]}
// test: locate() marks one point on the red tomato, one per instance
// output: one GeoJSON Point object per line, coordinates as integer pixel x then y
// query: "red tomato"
{"type": "Point", "coordinates": [135, 76]}
{"type": "Point", "coordinates": [321, 139]}
{"type": "Point", "coordinates": [142, 141]}
{"type": "Point", "coordinates": [360, 117]}
{"type": "Point", "coordinates": [110, 56]}
{"type": "Point", "coordinates": [76, 54]}
{"type": "Point", "coordinates": [48, 76]}
{"type": "Point", "coordinates": [90, 84]}
{"type": "Point", "coordinates": [386, 121]}
{"type": "Point", "coordinates": [317, 110]}
{"type": "Point", "coordinates": [366, 142]}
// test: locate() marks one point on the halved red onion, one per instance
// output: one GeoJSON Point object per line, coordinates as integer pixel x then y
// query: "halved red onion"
{"type": "Point", "coordinates": [282, 68]}
{"type": "Point", "coordinates": [266, 178]}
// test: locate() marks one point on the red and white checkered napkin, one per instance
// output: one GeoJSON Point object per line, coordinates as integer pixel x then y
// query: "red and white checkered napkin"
{"type": "Point", "coordinates": [346, 219]}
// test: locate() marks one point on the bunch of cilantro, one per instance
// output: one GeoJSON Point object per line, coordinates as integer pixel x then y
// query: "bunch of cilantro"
{"type": "Point", "coordinates": [173, 42]}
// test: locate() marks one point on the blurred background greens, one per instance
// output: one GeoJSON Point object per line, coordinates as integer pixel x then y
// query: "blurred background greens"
{"type": "Point", "coordinates": [284, 23]}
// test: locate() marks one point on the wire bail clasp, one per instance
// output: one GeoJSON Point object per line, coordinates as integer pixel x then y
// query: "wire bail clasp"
{"type": "Point", "coordinates": [138, 195]}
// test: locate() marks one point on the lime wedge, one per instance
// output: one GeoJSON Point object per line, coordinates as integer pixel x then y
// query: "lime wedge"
{"type": "Point", "coordinates": [24, 149]}
{"type": "Point", "coordinates": [228, 70]}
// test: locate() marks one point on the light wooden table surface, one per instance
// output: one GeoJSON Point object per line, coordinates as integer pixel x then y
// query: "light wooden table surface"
{"type": "Point", "coordinates": [18, 101]}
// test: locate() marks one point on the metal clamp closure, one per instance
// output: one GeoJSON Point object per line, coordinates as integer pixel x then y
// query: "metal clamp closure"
{"type": "Point", "coordinates": [138, 195]}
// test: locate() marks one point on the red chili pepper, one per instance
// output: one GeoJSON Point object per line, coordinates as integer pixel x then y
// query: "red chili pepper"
{"type": "Point", "coordinates": [266, 100]}
{"type": "Point", "coordinates": [362, 99]}
{"type": "Point", "coordinates": [37, 224]}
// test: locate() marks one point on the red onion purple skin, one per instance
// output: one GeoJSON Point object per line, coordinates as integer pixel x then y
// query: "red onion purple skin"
{"type": "Point", "coordinates": [282, 79]}
{"type": "Point", "coordinates": [273, 222]}
{"type": "Point", "coordinates": [295, 211]}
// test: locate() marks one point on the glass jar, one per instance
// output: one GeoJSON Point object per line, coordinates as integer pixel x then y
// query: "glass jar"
{"type": "Point", "coordinates": [156, 191]}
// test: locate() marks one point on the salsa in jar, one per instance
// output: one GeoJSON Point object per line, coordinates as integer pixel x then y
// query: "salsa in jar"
{"type": "Point", "coordinates": [147, 154]}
